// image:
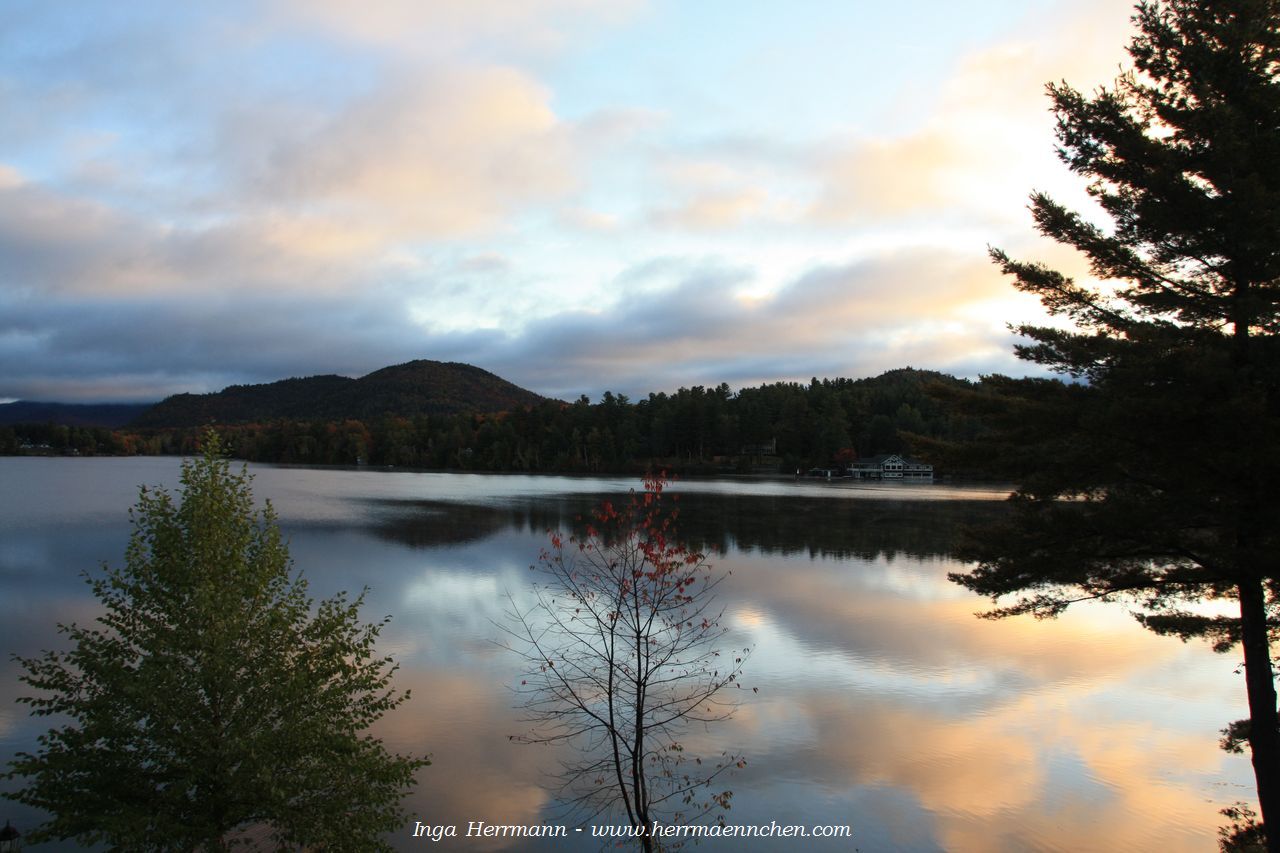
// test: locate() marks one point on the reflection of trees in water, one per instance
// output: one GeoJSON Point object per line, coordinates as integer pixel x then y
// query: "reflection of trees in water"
{"type": "Point", "coordinates": [771, 524]}
{"type": "Point", "coordinates": [831, 527]}
{"type": "Point", "coordinates": [428, 524]}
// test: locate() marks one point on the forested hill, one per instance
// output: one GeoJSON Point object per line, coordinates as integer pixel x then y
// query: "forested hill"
{"type": "Point", "coordinates": [777, 427]}
{"type": "Point", "coordinates": [404, 390]}
{"type": "Point", "coordinates": [774, 427]}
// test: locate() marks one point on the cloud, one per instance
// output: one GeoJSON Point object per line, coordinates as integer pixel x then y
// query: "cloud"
{"type": "Point", "coordinates": [720, 186]}
{"type": "Point", "coordinates": [586, 219]}
{"type": "Point", "coordinates": [870, 179]}
{"type": "Point", "coordinates": [312, 276]}
{"type": "Point", "coordinates": [919, 308]}
{"type": "Point", "coordinates": [610, 126]}
{"type": "Point", "coordinates": [442, 153]}
{"type": "Point", "coordinates": [60, 349]}
{"type": "Point", "coordinates": [329, 187]}
{"type": "Point", "coordinates": [988, 141]}
{"type": "Point", "coordinates": [64, 245]}
{"type": "Point", "coordinates": [455, 26]}
{"type": "Point", "coordinates": [712, 210]}
{"type": "Point", "coordinates": [674, 321]}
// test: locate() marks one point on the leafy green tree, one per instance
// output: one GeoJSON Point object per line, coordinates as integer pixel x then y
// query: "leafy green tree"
{"type": "Point", "coordinates": [1167, 446]}
{"type": "Point", "coordinates": [212, 699]}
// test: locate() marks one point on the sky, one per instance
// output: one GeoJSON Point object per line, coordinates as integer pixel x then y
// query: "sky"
{"type": "Point", "coordinates": [579, 196]}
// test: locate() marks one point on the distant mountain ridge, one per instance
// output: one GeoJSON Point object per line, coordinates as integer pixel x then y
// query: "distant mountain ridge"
{"type": "Point", "coordinates": [404, 390]}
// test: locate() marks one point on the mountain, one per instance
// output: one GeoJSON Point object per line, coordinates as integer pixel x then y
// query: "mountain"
{"type": "Point", "coordinates": [415, 388]}
{"type": "Point", "coordinates": [106, 415]}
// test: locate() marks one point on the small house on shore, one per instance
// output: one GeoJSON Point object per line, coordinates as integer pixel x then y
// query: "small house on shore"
{"type": "Point", "coordinates": [891, 466]}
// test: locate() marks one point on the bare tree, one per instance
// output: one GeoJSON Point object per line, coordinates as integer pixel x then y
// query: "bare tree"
{"type": "Point", "coordinates": [623, 656]}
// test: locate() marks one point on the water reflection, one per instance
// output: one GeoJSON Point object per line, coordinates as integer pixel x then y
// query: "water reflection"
{"type": "Point", "coordinates": [803, 525]}
{"type": "Point", "coordinates": [882, 702]}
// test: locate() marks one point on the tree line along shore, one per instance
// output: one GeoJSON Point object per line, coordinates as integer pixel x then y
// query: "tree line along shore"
{"type": "Point", "coordinates": [772, 428]}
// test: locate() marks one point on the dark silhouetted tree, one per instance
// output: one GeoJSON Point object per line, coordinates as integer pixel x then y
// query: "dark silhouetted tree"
{"type": "Point", "coordinates": [1152, 478]}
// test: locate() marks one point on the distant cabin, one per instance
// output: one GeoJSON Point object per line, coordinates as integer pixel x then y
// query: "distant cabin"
{"type": "Point", "coordinates": [891, 466]}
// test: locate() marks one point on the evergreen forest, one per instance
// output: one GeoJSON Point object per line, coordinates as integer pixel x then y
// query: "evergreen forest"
{"type": "Point", "coordinates": [778, 427]}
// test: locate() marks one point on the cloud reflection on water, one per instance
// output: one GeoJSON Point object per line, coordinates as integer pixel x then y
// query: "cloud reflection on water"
{"type": "Point", "coordinates": [882, 701]}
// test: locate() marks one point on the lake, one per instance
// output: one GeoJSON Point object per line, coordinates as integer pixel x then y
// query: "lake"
{"type": "Point", "coordinates": [880, 702]}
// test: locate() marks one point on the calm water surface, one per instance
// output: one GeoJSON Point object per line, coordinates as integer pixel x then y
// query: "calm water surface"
{"type": "Point", "coordinates": [882, 702]}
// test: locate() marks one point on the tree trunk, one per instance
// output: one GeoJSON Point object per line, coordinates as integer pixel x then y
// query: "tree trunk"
{"type": "Point", "coordinates": [639, 783]}
{"type": "Point", "coordinates": [1264, 732]}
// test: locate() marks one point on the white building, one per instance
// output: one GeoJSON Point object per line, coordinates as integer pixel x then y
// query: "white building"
{"type": "Point", "coordinates": [891, 466]}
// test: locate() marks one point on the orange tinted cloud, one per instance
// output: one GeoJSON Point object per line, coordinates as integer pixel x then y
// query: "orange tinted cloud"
{"type": "Point", "coordinates": [436, 155]}
{"type": "Point", "coordinates": [987, 141]}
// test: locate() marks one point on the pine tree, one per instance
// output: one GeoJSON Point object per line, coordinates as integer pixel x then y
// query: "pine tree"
{"type": "Point", "coordinates": [212, 699]}
{"type": "Point", "coordinates": [1167, 439]}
